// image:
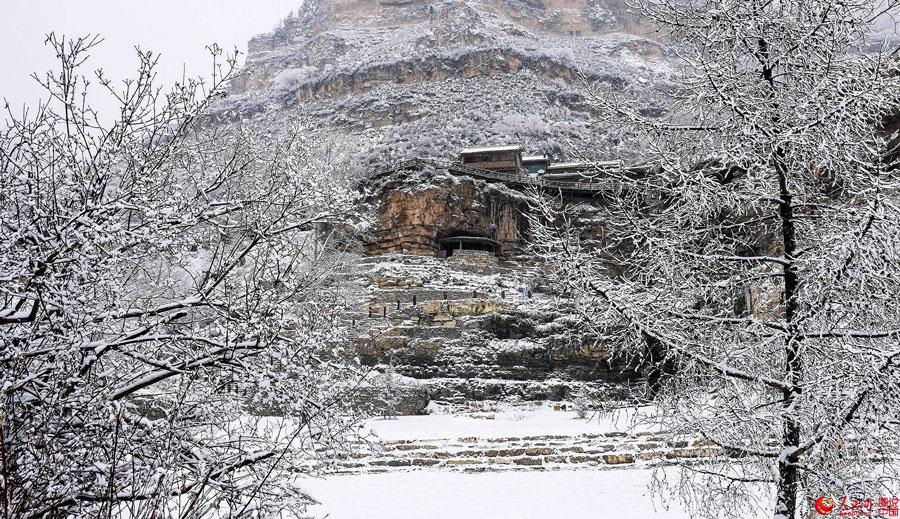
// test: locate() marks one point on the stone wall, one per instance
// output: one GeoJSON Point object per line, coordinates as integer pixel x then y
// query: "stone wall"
{"type": "Point", "coordinates": [464, 330]}
{"type": "Point", "coordinates": [474, 257]}
{"type": "Point", "coordinates": [474, 454]}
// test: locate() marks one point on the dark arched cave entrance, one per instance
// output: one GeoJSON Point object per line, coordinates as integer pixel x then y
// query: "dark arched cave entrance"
{"type": "Point", "coordinates": [468, 241]}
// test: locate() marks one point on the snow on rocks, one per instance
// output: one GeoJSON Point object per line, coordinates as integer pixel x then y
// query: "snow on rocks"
{"type": "Point", "coordinates": [427, 78]}
{"type": "Point", "coordinates": [502, 437]}
{"type": "Point", "coordinates": [470, 331]}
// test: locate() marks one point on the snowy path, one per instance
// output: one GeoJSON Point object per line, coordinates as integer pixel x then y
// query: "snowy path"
{"type": "Point", "coordinates": [596, 494]}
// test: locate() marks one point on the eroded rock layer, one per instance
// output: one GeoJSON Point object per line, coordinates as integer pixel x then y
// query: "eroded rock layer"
{"type": "Point", "coordinates": [426, 77]}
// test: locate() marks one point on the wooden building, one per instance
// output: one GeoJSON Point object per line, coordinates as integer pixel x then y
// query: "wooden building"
{"type": "Point", "coordinates": [579, 171]}
{"type": "Point", "coordinates": [507, 159]}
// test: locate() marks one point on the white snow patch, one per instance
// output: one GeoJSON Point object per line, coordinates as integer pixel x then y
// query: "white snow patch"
{"type": "Point", "coordinates": [506, 422]}
{"type": "Point", "coordinates": [619, 494]}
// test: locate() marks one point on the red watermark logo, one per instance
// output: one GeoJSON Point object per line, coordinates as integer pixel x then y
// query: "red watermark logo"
{"type": "Point", "coordinates": [824, 505]}
{"type": "Point", "coordinates": [852, 507]}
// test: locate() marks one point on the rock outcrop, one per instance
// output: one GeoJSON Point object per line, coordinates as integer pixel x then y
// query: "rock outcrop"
{"type": "Point", "coordinates": [458, 321]}
{"type": "Point", "coordinates": [424, 78]}
{"type": "Point", "coordinates": [452, 329]}
{"type": "Point", "coordinates": [414, 215]}
{"type": "Point", "coordinates": [419, 204]}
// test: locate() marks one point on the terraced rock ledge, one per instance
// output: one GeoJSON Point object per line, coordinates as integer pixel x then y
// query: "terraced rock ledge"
{"type": "Point", "coordinates": [545, 452]}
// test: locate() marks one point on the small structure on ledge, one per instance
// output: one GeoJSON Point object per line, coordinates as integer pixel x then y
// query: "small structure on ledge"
{"type": "Point", "coordinates": [507, 159]}
{"type": "Point", "coordinates": [454, 244]}
{"type": "Point", "coordinates": [579, 171]}
{"type": "Point", "coordinates": [535, 164]}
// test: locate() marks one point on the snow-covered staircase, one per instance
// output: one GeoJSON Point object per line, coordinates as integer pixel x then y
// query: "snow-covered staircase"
{"type": "Point", "coordinates": [523, 453]}
{"type": "Point", "coordinates": [547, 440]}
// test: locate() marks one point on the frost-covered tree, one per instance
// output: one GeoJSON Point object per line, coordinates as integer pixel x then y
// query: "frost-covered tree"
{"type": "Point", "coordinates": [168, 339]}
{"type": "Point", "coordinates": [754, 271]}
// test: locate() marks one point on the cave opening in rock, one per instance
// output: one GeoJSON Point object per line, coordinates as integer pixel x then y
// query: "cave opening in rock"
{"type": "Point", "coordinates": [466, 241]}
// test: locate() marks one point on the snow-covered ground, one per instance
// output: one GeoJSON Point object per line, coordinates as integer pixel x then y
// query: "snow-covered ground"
{"type": "Point", "coordinates": [508, 421]}
{"type": "Point", "coordinates": [597, 494]}
{"type": "Point", "coordinates": [436, 492]}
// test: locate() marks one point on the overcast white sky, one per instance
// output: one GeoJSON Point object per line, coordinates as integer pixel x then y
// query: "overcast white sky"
{"type": "Point", "coordinates": [179, 30]}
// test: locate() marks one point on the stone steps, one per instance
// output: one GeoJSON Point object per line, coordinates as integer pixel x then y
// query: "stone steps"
{"type": "Point", "coordinates": [526, 453]}
{"type": "Point", "coordinates": [410, 272]}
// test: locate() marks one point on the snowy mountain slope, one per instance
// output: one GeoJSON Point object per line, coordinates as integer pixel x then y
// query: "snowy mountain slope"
{"type": "Point", "coordinates": [425, 77]}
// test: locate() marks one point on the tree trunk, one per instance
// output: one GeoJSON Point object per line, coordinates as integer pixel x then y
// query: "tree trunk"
{"type": "Point", "coordinates": [657, 364]}
{"type": "Point", "coordinates": [788, 473]}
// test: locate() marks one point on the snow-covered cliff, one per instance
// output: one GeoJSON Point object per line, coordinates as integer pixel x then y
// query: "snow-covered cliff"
{"type": "Point", "coordinates": [426, 77]}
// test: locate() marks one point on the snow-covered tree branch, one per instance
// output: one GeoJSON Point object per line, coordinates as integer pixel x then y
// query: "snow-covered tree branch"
{"type": "Point", "coordinates": [754, 271]}
{"type": "Point", "coordinates": [167, 286]}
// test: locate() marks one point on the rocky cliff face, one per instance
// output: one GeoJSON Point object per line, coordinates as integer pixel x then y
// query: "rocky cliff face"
{"type": "Point", "coordinates": [417, 206]}
{"type": "Point", "coordinates": [467, 323]}
{"type": "Point", "coordinates": [425, 77]}
{"type": "Point", "coordinates": [462, 328]}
